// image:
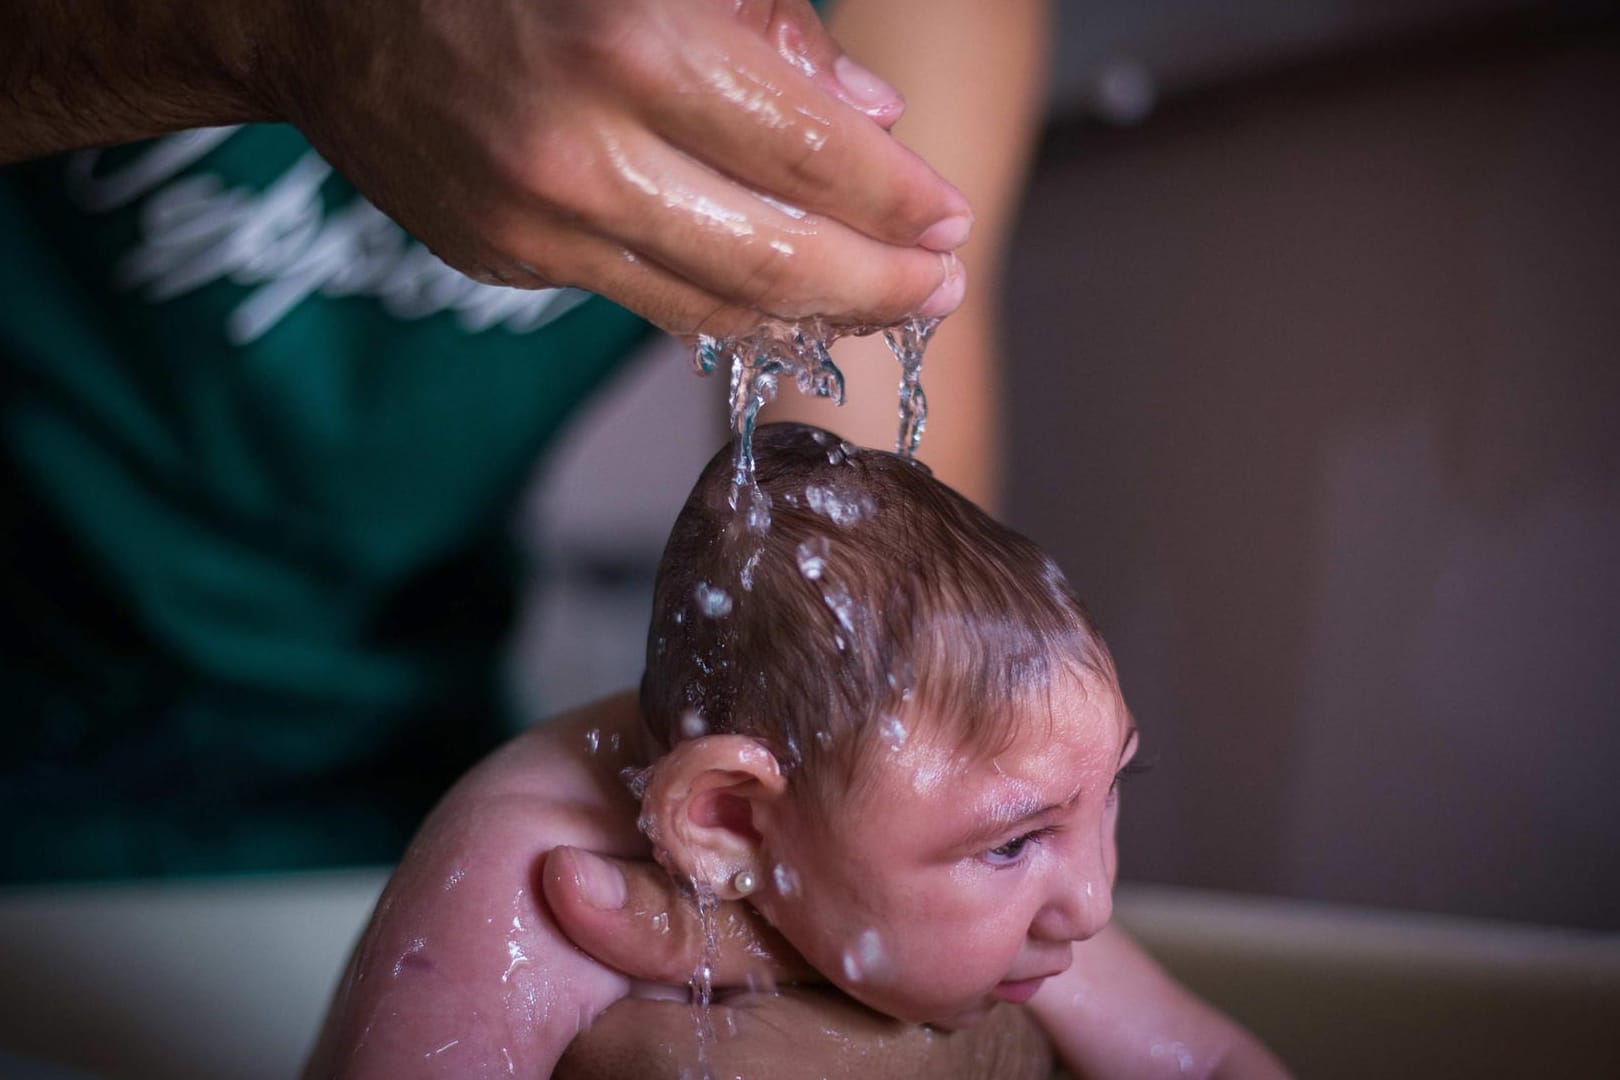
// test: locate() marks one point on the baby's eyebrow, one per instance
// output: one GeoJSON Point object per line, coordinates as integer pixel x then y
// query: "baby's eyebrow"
{"type": "Point", "coordinates": [1008, 816]}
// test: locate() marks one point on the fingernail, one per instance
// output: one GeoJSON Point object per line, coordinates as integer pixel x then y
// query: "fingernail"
{"type": "Point", "coordinates": [948, 234]}
{"type": "Point", "coordinates": [867, 89]}
{"type": "Point", "coordinates": [948, 297]}
{"type": "Point", "coordinates": [600, 883]}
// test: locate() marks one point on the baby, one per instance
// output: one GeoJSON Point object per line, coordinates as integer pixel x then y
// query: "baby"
{"type": "Point", "coordinates": [886, 722]}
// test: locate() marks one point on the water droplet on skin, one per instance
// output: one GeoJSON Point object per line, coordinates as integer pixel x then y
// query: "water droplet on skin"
{"type": "Point", "coordinates": [824, 739]}
{"type": "Point", "coordinates": [412, 957]}
{"type": "Point", "coordinates": [893, 732]}
{"type": "Point", "coordinates": [680, 617]}
{"type": "Point", "coordinates": [812, 557]}
{"type": "Point", "coordinates": [660, 922]}
{"type": "Point", "coordinates": [785, 879]}
{"type": "Point", "coordinates": [636, 780]}
{"type": "Point", "coordinates": [713, 601]}
{"type": "Point", "coordinates": [615, 742]}
{"type": "Point", "coordinates": [865, 959]}
{"type": "Point", "coordinates": [593, 741]}
{"type": "Point", "coordinates": [1160, 1051]}
{"type": "Point", "coordinates": [693, 726]}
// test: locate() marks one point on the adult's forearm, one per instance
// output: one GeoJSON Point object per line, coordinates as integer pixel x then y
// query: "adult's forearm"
{"type": "Point", "coordinates": [802, 1033]}
{"type": "Point", "coordinates": [92, 72]}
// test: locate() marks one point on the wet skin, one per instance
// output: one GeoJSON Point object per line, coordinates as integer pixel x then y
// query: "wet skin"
{"type": "Point", "coordinates": [465, 968]}
{"type": "Point", "coordinates": [958, 880]}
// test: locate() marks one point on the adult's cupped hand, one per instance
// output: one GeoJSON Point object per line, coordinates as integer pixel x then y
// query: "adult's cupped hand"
{"type": "Point", "coordinates": [705, 163]}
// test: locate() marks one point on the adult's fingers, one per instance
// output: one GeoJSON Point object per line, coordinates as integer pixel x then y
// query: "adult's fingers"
{"type": "Point", "coordinates": [733, 103]}
{"type": "Point", "coordinates": [630, 916]}
{"type": "Point", "coordinates": [685, 270]}
{"type": "Point", "coordinates": [737, 246]}
{"type": "Point", "coordinates": [795, 31]}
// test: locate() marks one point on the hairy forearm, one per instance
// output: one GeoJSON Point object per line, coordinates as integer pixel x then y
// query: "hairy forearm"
{"type": "Point", "coordinates": [92, 72]}
{"type": "Point", "coordinates": [801, 1033]}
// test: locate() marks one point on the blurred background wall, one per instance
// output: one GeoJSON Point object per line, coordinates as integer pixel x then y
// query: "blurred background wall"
{"type": "Point", "coordinates": [1314, 327]}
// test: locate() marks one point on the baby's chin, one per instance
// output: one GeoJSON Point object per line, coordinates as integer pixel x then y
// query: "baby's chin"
{"type": "Point", "coordinates": [893, 1001]}
{"type": "Point", "coordinates": [965, 1018]}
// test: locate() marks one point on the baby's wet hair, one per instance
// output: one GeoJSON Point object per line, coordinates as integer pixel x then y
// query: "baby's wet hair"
{"type": "Point", "coordinates": [876, 595]}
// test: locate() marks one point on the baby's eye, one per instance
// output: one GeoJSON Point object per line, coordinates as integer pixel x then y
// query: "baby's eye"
{"type": "Point", "coordinates": [1009, 853]}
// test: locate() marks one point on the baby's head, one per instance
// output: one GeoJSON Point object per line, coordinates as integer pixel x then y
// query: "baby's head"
{"type": "Point", "coordinates": [888, 722]}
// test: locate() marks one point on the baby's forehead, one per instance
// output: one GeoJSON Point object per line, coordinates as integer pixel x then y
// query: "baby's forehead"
{"type": "Point", "coordinates": [926, 743]}
{"type": "Point", "coordinates": [1074, 701]}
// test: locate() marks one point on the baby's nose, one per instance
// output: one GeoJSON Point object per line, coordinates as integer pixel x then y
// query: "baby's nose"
{"type": "Point", "coordinates": [1080, 911]}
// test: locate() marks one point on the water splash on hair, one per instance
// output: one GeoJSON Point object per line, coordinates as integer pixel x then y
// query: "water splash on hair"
{"type": "Point", "coordinates": [801, 351]}
{"type": "Point", "coordinates": [841, 510]}
{"type": "Point", "coordinates": [713, 601]}
{"type": "Point", "coordinates": [812, 557]}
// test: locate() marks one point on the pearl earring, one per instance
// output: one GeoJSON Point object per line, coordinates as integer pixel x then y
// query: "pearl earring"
{"type": "Point", "coordinates": [744, 882]}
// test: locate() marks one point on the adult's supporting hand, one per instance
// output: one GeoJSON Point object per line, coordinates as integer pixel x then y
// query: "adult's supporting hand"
{"type": "Point", "coordinates": [801, 1028]}
{"type": "Point", "coordinates": [704, 162]}
{"type": "Point", "coordinates": [465, 965]}
{"type": "Point", "coordinates": [802, 1033]}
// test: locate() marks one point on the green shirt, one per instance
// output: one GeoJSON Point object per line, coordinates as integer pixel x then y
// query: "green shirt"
{"type": "Point", "coordinates": [261, 450]}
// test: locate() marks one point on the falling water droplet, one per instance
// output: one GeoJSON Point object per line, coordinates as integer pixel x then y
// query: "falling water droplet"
{"type": "Point", "coordinates": [908, 341]}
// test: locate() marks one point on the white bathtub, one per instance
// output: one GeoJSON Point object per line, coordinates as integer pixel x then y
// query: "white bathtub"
{"type": "Point", "coordinates": [213, 979]}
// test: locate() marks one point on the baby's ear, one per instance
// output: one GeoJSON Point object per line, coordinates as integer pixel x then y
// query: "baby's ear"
{"type": "Point", "coordinates": [700, 808]}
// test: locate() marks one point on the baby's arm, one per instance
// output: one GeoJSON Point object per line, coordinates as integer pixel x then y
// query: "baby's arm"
{"type": "Point", "coordinates": [1116, 1013]}
{"type": "Point", "coordinates": [462, 968]}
